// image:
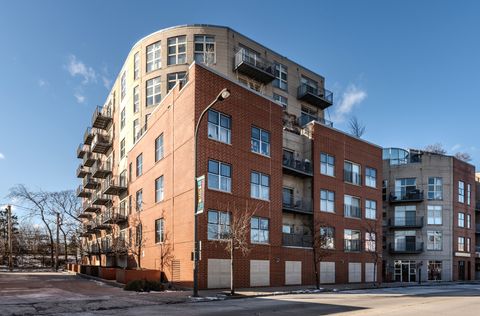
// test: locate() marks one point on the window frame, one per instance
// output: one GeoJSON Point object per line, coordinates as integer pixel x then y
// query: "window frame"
{"type": "Point", "coordinates": [326, 204]}
{"type": "Point", "coordinates": [204, 52]}
{"type": "Point", "coordinates": [139, 165]}
{"type": "Point", "coordinates": [155, 96]}
{"type": "Point", "coordinates": [222, 228]}
{"type": "Point", "coordinates": [280, 70]}
{"type": "Point", "coordinates": [156, 57]}
{"type": "Point", "coordinates": [260, 230]}
{"type": "Point", "coordinates": [159, 230]}
{"type": "Point", "coordinates": [219, 175]}
{"type": "Point", "coordinates": [159, 148]}
{"type": "Point", "coordinates": [218, 128]}
{"type": "Point", "coordinates": [353, 177]}
{"type": "Point", "coordinates": [368, 209]}
{"type": "Point", "coordinates": [174, 42]}
{"type": "Point", "coordinates": [260, 141]}
{"type": "Point", "coordinates": [370, 180]}
{"type": "Point", "coordinates": [260, 186]}
{"type": "Point", "coordinates": [159, 189]}
{"type": "Point", "coordinates": [327, 168]}
{"type": "Point", "coordinates": [177, 76]}
{"type": "Point", "coordinates": [435, 189]}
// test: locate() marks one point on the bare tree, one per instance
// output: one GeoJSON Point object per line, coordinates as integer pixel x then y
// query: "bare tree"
{"type": "Point", "coordinates": [372, 246]}
{"type": "Point", "coordinates": [166, 254]}
{"type": "Point", "coordinates": [357, 128]}
{"type": "Point", "coordinates": [463, 156]}
{"type": "Point", "coordinates": [135, 245]}
{"type": "Point", "coordinates": [323, 244]}
{"type": "Point", "coordinates": [436, 148]}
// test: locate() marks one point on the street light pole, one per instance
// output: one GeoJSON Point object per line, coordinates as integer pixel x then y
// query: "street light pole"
{"type": "Point", "coordinates": [9, 228]}
{"type": "Point", "coordinates": [225, 93]}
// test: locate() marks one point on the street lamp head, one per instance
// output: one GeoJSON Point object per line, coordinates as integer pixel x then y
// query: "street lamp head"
{"type": "Point", "coordinates": [225, 93]}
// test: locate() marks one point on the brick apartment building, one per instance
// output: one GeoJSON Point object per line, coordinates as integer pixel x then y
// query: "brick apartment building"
{"type": "Point", "coordinates": [477, 226]}
{"type": "Point", "coordinates": [266, 147]}
{"type": "Point", "coordinates": [429, 216]}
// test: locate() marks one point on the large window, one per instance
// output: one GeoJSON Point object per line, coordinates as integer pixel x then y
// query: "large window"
{"type": "Point", "coordinates": [434, 270]}
{"type": "Point", "coordinates": [136, 66]}
{"type": "Point", "coordinates": [159, 191]}
{"type": "Point", "coordinates": [469, 221]}
{"type": "Point", "coordinates": [327, 201]}
{"type": "Point", "coordinates": [177, 50]}
{"type": "Point", "coordinates": [435, 188]}
{"type": "Point", "coordinates": [218, 225]}
{"type": "Point", "coordinates": [461, 192]}
{"type": "Point", "coordinates": [281, 73]}
{"type": "Point", "coordinates": [122, 119]}
{"type": "Point", "coordinates": [219, 176]}
{"type": "Point", "coordinates": [259, 186]}
{"type": "Point", "coordinates": [327, 237]}
{"type": "Point", "coordinates": [259, 232]}
{"type": "Point", "coordinates": [159, 148]}
{"type": "Point", "coordinates": [205, 49]}
{"type": "Point", "coordinates": [370, 209]}
{"type": "Point", "coordinates": [123, 85]}
{"type": "Point", "coordinates": [352, 240]}
{"type": "Point", "coordinates": [461, 219]}
{"type": "Point", "coordinates": [352, 207]}
{"type": "Point", "coordinates": [371, 177]}
{"type": "Point", "coordinates": [469, 194]}
{"type": "Point", "coordinates": [352, 173]}
{"type": "Point", "coordinates": [154, 55]}
{"type": "Point", "coordinates": [260, 141]}
{"type": "Point", "coordinates": [370, 242]}
{"type": "Point", "coordinates": [461, 243]}
{"type": "Point", "coordinates": [468, 244]}
{"type": "Point", "coordinates": [405, 188]}
{"type": "Point", "coordinates": [219, 126]}
{"type": "Point", "coordinates": [159, 231]}
{"type": "Point", "coordinates": [154, 95]}
{"type": "Point", "coordinates": [434, 240]}
{"type": "Point", "coordinates": [122, 148]}
{"type": "Point", "coordinates": [327, 164]}
{"type": "Point", "coordinates": [136, 100]}
{"type": "Point", "coordinates": [139, 162]}
{"type": "Point", "coordinates": [281, 99]}
{"type": "Point", "coordinates": [139, 200]}
{"type": "Point", "coordinates": [434, 215]}
{"type": "Point", "coordinates": [136, 125]}
{"type": "Point", "coordinates": [173, 78]}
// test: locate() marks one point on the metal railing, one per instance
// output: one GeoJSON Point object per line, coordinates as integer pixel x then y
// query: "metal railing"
{"type": "Point", "coordinates": [322, 93]}
{"type": "Point", "coordinates": [352, 245]}
{"type": "Point", "coordinates": [102, 111]}
{"type": "Point", "coordinates": [305, 118]}
{"type": "Point", "coordinates": [302, 165]}
{"type": "Point", "coordinates": [406, 247]}
{"type": "Point", "coordinates": [295, 203]}
{"type": "Point", "coordinates": [403, 195]}
{"type": "Point", "coordinates": [409, 221]}
{"type": "Point", "coordinates": [352, 211]}
{"type": "Point", "coordinates": [101, 165]}
{"type": "Point", "coordinates": [245, 56]}
{"type": "Point", "coordinates": [296, 240]}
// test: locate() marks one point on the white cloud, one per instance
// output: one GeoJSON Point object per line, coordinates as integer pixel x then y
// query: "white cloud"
{"type": "Point", "coordinates": [79, 97]}
{"type": "Point", "coordinates": [456, 147]}
{"type": "Point", "coordinates": [106, 82]}
{"type": "Point", "coordinates": [350, 98]}
{"type": "Point", "coordinates": [77, 68]}
{"type": "Point", "coordinates": [2, 156]}
{"type": "Point", "coordinates": [42, 83]}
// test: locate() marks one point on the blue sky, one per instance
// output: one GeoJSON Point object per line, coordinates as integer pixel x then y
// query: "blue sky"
{"type": "Point", "coordinates": [410, 70]}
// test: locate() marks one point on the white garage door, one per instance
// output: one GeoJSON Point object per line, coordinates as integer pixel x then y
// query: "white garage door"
{"type": "Point", "coordinates": [327, 272]}
{"type": "Point", "coordinates": [370, 272]}
{"type": "Point", "coordinates": [354, 272]}
{"type": "Point", "coordinates": [293, 272]}
{"type": "Point", "coordinates": [259, 272]}
{"type": "Point", "coordinates": [218, 273]}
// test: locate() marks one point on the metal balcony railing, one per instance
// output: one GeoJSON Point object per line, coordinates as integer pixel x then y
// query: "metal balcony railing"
{"type": "Point", "coordinates": [102, 117]}
{"type": "Point", "coordinates": [81, 150]}
{"type": "Point", "coordinates": [82, 171]}
{"type": "Point", "coordinates": [319, 97]}
{"type": "Point", "coordinates": [115, 185]}
{"type": "Point", "coordinates": [88, 136]}
{"type": "Point", "coordinates": [415, 195]}
{"type": "Point", "coordinates": [101, 169]}
{"type": "Point", "coordinates": [406, 222]}
{"type": "Point", "coordinates": [296, 240]}
{"type": "Point", "coordinates": [352, 245]}
{"type": "Point", "coordinates": [406, 247]}
{"type": "Point", "coordinates": [82, 192]}
{"type": "Point", "coordinates": [89, 159]}
{"type": "Point", "coordinates": [352, 211]}
{"type": "Point", "coordinates": [302, 166]}
{"type": "Point", "coordinates": [254, 66]}
{"type": "Point", "coordinates": [101, 143]}
{"type": "Point", "coordinates": [98, 198]}
{"type": "Point", "coordinates": [89, 182]}
{"type": "Point", "coordinates": [298, 204]}
{"type": "Point", "coordinates": [305, 118]}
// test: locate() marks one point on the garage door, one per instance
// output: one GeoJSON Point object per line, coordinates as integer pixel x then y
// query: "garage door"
{"type": "Point", "coordinates": [218, 273]}
{"type": "Point", "coordinates": [293, 272]}
{"type": "Point", "coordinates": [259, 272]}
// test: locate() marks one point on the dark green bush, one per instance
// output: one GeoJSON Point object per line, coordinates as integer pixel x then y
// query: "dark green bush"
{"type": "Point", "coordinates": [144, 286]}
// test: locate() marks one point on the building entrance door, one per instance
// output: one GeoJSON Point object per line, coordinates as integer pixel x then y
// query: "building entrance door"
{"type": "Point", "coordinates": [461, 270]}
{"type": "Point", "coordinates": [405, 271]}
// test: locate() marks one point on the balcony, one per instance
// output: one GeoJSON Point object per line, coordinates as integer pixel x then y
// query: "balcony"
{"type": "Point", "coordinates": [406, 196]}
{"type": "Point", "coordinates": [99, 198]}
{"type": "Point", "coordinates": [352, 245]}
{"type": "Point", "coordinates": [86, 231]}
{"type": "Point", "coordinates": [101, 143]}
{"type": "Point", "coordinates": [88, 207]}
{"type": "Point", "coordinates": [318, 97]}
{"type": "Point", "coordinates": [102, 118]}
{"type": "Point", "coordinates": [291, 203]}
{"type": "Point", "coordinates": [406, 248]}
{"type": "Point", "coordinates": [89, 159]}
{"type": "Point", "coordinates": [100, 223]}
{"type": "Point", "coordinates": [82, 171]}
{"type": "Point", "coordinates": [297, 240]}
{"type": "Point", "coordinates": [254, 66]}
{"type": "Point", "coordinates": [88, 136]}
{"type": "Point", "coordinates": [406, 222]}
{"type": "Point", "coordinates": [116, 215]}
{"type": "Point", "coordinates": [81, 150]}
{"type": "Point", "coordinates": [89, 182]}
{"type": "Point", "coordinates": [115, 185]}
{"type": "Point", "coordinates": [85, 215]}
{"type": "Point", "coordinates": [305, 118]}
{"type": "Point", "coordinates": [82, 192]}
{"type": "Point", "coordinates": [297, 167]}
{"type": "Point", "coordinates": [101, 169]}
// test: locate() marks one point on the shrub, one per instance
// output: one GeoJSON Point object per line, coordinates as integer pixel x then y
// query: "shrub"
{"type": "Point", "coordinates": [144, 286]}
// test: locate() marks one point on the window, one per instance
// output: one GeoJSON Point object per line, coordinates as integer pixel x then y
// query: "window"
{"type": "Point", "coordinates": [327, 164]}
{"type": "Point", "coordinates": [139, 161]}
{"type": "Point", "coordinates": [122, 148]}
{"type": "Point", "coordinates": [434, 215]}
{"type": "Point", "coordinates": [260, 141]}
{"type": "Point", "coordinates": [159, 148]}
{"type": "Point", "coordinates": [468, 244]}
{"type": "Point", "coordinates": [173, 78]}
{"type": "Point", "coordinates": [371, 177]}
{"type": "Point", "coordinates": [123, 178]}
{"type": "Point", "coordinates": [219, 126]}
{"type": "Point", "coordinates": [219, 176]}
{"type": "Point", "coordinates": [138, 200]}
{"type": "Point", "coordinates": [281, 100]}
{"type": "Point", "coordinates": [469, 194]}
{"type": "Point", "coordinates": [177, 50]}
{"type": "Point", "coordinates": [352, 240]}
{"type": "Point", "coordinates": [469, 221]}
{"type": "Point", "coordinates": [405, 215]}
{"type": "Point", "coordinates": [123, 85]}
{"type": "Point", "coordinates": [370, 209]}
{"type": "Point", "coordinates": [461, 192]}
{"type": "Point", "coordinates": [352, 173]}
{"type": "Point", "coordinates": [260, 186]}
{"type": "Point", "coordinates": [280, 77]}
{"type": "Point", "coordinates": [405, 188]}
{"type": "Point", "coordinates": [259, 230]}
{"type": "Point", "coordinates": [309, 84]}
{"type": "Point", "coordinates": [136, 66]}
{"type": "Point", "coordinates": [159, 189]}
{"type": "Point", "coordinates": [435, 188]}
{"type": "Point", "coordinates": [434, 240]}
{"type": "Point", "coordinates": [434, 270]}
{"type": "Point", "coordinates": [154, 55]}
{"type": "Point", "coordinates": [461, 244]}
{"type": "Point", "coordinates": [370, 242]}
{"type": "Point", "coordinates": [159, 230]}
{"type": "Point", "coordinates": [154, 95]}
{"type": "Point", "coordinates": [352, 207]}
{"type": "Point", "coordinates": [327, 237]}
{"type": "Point", "coordinates": [218, 225]}
{"type": "Point", "coordinates": [461, 219]}
{"type": "Point", "coordinates": [136, 100]}
{"type": "Point", "coordinates": [122, 119]}
{"type": "Point", "coordinates": [204, 49]}
{"type": "Point", "coordinates": [327, 201]}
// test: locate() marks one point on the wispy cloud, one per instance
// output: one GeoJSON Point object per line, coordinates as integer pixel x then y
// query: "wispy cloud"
{"type": "Point", "coordinates": [456, 147]}
{"type": "Point", "coordinates": [77, 68]}
{"type": "Point", "coordinates": [42, 83]}
{"type": "Point", "coordinates": [79, 97]}
{"type": "Point", "coordinates": [351, 97]}
{"type": "Point", "coordinates": [2, 156]}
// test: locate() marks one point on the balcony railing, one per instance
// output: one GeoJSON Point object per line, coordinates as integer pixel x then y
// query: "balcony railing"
{"type": "Point", "coordinates": [82, 192]}
{"type": "Point", "coordinates": [352, 245]}
{"type": "Point", "coordinates": [88, 207]}
{"type": "Point", "coordinates": [82, 171]}
{"type": "Point", "coordinates": [406, 196]}
{"type": "Point", "coordinates": [305, 118]}
{"type": "Point", "coordinates": [296, 240]}
{"type": "Point", "coordinates": [297, 204]}
{"type": "Point", "coordinates": [89, 182]}
{"type": "Point", "coordinates": [99, 198]}
{"type": "Point", "coordinates": [81, 150]}
{"type": "Point", "coordinates": [101, 143]}
{"type": "Point", "coordinates": [101, 169]}
{"type": "Point", "coordinates": [406, 222]}
{"type": "Point", "coordinates": [85, 215]}
{"type": "Point", "coordinates": [301, 167]}
{"type": "Point", "coordinates": [102, 117]}
{"type": "Point", "coordinates": [406, 247]}
{"type": "Point", "coordinates": [319, 97]}
{"type": "Point", "coordinates": [116, 215]}
{"type": "Point", "coordinates": [100, 224]}
{"type": "Point", "coordinates": [352, 211]}
{"type": "Point", "coordinates": [88, 136]}
{"type": "Point", "coordinates": [254, 66]}
{"type": "Point", "coordinates": [89, 159]}
{"type": "Point", "coordinates": [115, 185]}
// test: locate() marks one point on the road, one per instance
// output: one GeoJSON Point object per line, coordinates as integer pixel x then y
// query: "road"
{"type": "Point", "coordinates": [63, 294]}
